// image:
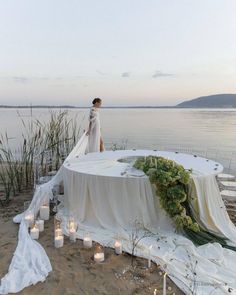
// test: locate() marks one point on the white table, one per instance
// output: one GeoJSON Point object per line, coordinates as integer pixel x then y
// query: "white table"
{"type": "Point", "coordinates": [103, 192]}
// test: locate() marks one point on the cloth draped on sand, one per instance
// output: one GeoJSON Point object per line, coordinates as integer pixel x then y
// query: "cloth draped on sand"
{"type": "Point", "coordinates": [208, 269]}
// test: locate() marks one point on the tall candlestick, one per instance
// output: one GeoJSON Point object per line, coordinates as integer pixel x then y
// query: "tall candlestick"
{"type": "Point", "coordinates": [164, 283]}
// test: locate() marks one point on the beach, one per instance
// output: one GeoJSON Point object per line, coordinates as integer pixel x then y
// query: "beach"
{"type": "Point", "coordinates": [74, 271]}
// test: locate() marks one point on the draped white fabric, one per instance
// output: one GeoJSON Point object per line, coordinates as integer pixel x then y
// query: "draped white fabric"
{"type": "Point", "coordinates": [30, 263]}
{"type": "Point", "coordinates": [113, 203]}
{"type": "Point", "coordinates": [106, 197]}
{"type": "Point", "coordinates": [211, 209]}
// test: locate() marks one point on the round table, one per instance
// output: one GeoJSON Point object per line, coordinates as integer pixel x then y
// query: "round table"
{"type": "Point", "coordinates": [107, 163]}
{"type": "Point", "coordinates": [103, 190]}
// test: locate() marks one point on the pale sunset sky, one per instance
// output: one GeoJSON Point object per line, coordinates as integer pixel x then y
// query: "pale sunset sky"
{"type": "Point", "coordinates": [128, 52]}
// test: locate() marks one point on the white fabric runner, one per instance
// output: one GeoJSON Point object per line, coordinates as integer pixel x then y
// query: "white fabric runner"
{"type": "Point", "coordinates": [30, 264]}
{"type": "Point", "coordinates": [108, 205]}
{"type": "Point", "coordinates": [211, 208]}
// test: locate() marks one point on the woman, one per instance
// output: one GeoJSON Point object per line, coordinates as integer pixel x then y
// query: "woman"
{"type": "Point", "coordinates": [95, 142]}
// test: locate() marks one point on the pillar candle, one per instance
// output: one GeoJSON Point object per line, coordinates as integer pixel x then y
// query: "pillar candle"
{"type": "Point", "coordinates": [118, 247]}
{"type": "Point", "coordinates": [87, 242]}
{"type": "Point", "coordinates": [34, 233]}
{"type": "Point", "coordinates": [40, 224]}
{"type": "Point", "coordinates": [58, 232]}
{"type": "Point", "coordinates": [29, 218]}
{"type": "Point", "coordinates": [99, 257]}
{"type": "Point", "coordinates": [44, 212]}
{"type": "Point", "coordinates": [59, 241]}
{"type": "Point", "coordinates": [72, 235]}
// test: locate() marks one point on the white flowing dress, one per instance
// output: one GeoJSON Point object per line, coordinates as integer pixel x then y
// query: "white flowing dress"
{"type": "Point", "coordinates": [95, 131]}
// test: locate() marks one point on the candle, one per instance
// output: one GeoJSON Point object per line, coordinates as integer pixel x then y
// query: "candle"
{"type": "Point", "coordinates": [149, 263]}
{"type": "Point", "coordinates": [40, 224]}
{"type": "Point", "coordinates": [164, 284]}
{"type": "Point", "coordinates": [34, 233]}
{"type": "Point", "coordinates": [99, 257]}
{"type": "Point", "coordinates": [118, 247]}
{"type": "Point", "coordinates": [99, 253]}
{"type": "Point", "coordinates": [58, 232]}
{"type": "Point", "coordinates": [87, 242]}
{"type": "Point", "coordinates": [149, 257]}
{"type": "Point", "coordinates": [44, 212]}
{"type": "Point", "coordinates": [155, 292]}
{"type": "Point", "coordinates": [59, 241]}
{"type": "Point", "coordinates": [72, 235]}
{"type": "Point", "coordinates": [29, 218]}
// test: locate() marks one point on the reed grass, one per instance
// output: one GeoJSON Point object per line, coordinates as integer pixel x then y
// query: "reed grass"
{"type": "Point", "coordinates": [43, 148]}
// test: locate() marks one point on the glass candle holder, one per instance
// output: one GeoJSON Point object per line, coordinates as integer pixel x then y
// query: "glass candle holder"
{"type": "Point", "coordinates": [44, 211]}
{"type": "Point", "coordinates": [29, 218]}
{"type": "Point", "coordinates": [57, 225]}
{"type": "Point", "coordinates": [99, 255]}
{"type": "Point", "coordinates": [87, 241]}
{"type": "Point", "coordinates": [59, 238]}
{"type": "Point", "coordinates": [34, 232]}
{"type": "Point", "coordinates": [40, 224]}
{"type": "Point", "coordinates": [72, 229]}
{"type": "Point", "coordinates": [118, 246]}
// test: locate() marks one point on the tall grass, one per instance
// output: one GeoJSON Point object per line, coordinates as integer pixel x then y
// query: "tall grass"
{"type": "Point", "coordinates": [43, 148]}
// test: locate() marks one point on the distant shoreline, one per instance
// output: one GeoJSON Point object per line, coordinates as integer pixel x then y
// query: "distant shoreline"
{"type": "Point", "coordinates": [81, 107]}
{"type": "Point", "coordinates": [215, 101]}
{"type": "Point", "coordinates": [110, 107]}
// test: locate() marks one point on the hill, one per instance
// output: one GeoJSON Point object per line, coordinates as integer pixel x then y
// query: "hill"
{"type": "Point", "coordinates": [211, 101]}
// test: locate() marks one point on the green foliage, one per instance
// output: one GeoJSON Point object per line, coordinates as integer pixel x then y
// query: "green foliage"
{"type": "Point", "coordinates": [171, 181]}
{"type": "Point", "coordinates": [47, 143]}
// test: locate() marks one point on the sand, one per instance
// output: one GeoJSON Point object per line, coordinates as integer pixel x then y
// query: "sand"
{"type": "Point", "coordinates": [74, 271]}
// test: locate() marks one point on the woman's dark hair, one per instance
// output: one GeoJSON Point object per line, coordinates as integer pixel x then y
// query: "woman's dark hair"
{"type": "Point", "coordinates": [97, 99]}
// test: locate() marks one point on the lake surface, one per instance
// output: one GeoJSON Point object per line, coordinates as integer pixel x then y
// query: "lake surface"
{"type": "Point", "coordinates": [207, 132]}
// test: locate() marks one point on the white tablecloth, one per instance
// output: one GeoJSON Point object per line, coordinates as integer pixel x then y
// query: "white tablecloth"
{"type": "Point", "coordinates": [102, 191]}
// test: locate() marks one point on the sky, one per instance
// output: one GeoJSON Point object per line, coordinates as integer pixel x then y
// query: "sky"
{"type": "Point", "coordinates": [128, 52]}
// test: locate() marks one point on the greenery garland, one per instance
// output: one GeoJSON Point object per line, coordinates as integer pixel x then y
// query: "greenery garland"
{"type": "Point", "coordinates": [171, 181]}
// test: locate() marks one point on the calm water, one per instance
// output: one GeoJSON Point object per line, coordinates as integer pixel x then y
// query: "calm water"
{"type": "Point", "coordinates": [208, 132]}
